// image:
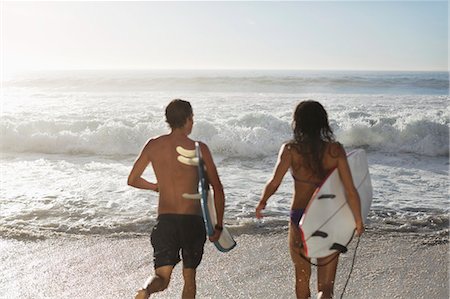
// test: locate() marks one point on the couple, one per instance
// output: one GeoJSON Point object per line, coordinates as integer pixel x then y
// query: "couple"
{"type": "Point", "coordinates": [309, 156]}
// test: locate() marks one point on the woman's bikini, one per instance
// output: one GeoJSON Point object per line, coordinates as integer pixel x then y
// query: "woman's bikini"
{"type": "Point", "coordinates": [296, 214]}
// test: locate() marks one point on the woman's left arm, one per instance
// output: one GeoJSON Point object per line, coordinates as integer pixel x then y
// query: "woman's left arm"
{"type": "Point", "coordinates": [350, 189]}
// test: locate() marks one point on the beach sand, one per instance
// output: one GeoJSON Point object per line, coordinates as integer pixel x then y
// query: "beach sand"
{"type": "Point", "coordinates": [389, 265]}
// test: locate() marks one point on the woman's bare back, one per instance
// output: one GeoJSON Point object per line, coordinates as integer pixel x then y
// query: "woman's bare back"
{"type": "Point", "coordinates": [306, 181]}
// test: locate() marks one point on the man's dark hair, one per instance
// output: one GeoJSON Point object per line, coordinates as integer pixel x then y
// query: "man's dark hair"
{"type": "Point", "coordinates": [177, 113]}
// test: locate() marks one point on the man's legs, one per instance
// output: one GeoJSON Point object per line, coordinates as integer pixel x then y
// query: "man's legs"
{"type": "Point", "coordinates": [190, 287]}
{"type": "Point", "coordinates": [157, 283]}
{"type": "Point", "coordinates": [193, 241]}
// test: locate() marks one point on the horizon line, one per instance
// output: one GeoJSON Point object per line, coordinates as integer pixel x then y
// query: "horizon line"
{"type": "Point", "coordinates": [220, 69]}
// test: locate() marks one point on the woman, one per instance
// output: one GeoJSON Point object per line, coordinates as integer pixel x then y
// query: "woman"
{"type": "Point", "coordinates": [310, 156]}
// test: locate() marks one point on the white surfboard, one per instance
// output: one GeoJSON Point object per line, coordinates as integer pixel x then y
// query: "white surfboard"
{"type": "Point", "coordinates": [328, 225]}
{"type": "Point", "coordinates": [205, 195]}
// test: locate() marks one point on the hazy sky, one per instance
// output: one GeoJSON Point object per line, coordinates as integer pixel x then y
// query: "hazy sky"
{"type": "Point", "coordinates": [246, 35]}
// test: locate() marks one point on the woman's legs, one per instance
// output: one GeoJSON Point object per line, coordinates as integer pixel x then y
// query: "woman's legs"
{"type": "Point", "coordinates": [302, 267]}
{"type": "Point", "coordinates": [326, 275]}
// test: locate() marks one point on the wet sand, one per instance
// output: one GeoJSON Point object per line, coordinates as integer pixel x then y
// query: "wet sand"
{"type": "Point", "coordinates": [387, 266]}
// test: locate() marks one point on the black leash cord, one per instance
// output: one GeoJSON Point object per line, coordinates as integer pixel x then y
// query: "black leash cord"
{"type": "Point", "coordinates": [319, 265]}
{"type": "Point", "coordinates": [351, 268]}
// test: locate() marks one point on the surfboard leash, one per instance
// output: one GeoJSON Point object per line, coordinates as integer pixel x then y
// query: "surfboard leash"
{"type": "Point", "coordinates": [351, 267]}
{"type": "Point", "coordinates": [318, 265]}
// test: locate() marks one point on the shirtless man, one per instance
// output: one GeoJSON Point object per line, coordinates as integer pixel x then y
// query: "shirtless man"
{"type": "Point", "coordinates": [179, 226]}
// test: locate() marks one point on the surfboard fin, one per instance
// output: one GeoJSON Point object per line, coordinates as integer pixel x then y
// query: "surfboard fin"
{"type": "Point", "coordinates": [339, 247]}
{"type": "Point", "coordinates": [188, 161]}
{"type": "Point", "coordinates": [319, 233]}
{"type": "Point", "coordinates": [192, 196]}
{"type": "Point", "coordinates": [184, 152]}
{"type": "Point", "coordinates": [324, 196]}
{"type": "Point", "coordinates": [187, 157]}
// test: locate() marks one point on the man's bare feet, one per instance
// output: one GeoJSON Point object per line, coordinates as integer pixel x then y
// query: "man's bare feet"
{"type": "Point", "coordinates": [142, 294]}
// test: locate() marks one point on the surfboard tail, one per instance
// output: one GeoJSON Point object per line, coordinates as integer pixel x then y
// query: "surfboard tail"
{"type": "Point", "coordinates": [225, 242]}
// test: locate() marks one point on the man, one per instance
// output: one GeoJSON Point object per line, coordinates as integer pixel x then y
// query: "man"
{"type": "Point", "coordinates": [179, 225]}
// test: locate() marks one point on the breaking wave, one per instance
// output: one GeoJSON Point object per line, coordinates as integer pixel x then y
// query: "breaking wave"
{"type": "Point", "coordinates": [251, 134]}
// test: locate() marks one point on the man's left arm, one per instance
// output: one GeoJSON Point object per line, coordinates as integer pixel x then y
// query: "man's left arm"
{"type": "Point", "coordinates": [219, 196]}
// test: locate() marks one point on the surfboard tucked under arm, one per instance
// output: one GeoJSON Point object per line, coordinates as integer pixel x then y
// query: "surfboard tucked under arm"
{"type": "Point", "coordinates": [206, 197]}
{"type": "Point", "coordinates": [328, 225]}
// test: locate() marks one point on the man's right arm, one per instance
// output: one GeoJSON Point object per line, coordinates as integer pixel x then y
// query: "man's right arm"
{"type": "Point", "coordinates": [135, 178]}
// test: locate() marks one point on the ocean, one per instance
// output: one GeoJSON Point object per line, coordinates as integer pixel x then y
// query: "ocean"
{"type": "Point", "coordinates": [68, 140]}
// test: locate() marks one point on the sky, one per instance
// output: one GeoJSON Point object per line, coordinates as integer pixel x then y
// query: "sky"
{"type": "Point", "coordinates": [337, 35]}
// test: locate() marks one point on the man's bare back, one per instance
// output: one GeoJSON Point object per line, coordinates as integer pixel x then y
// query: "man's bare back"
{"type": "Point", "coordinates": [174, 178]}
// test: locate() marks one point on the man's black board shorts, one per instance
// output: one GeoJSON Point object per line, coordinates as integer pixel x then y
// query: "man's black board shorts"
{"type": "Point", "coordinates": [175, 232]}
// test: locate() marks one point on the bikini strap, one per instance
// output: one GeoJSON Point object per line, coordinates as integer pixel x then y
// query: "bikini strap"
{"type": "Point", "coordinates": [304, 181]}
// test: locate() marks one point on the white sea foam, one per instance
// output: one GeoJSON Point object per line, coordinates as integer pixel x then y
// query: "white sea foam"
{"type": "Point", "coordinates": [66, 153]}
{"type": "Point", "coordinates": [244, 133]}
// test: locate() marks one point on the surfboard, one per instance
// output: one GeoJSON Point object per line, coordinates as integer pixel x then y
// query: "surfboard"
{"type": "Point", "coordinates": [327, 225]}
{"type": "Point", "coordinates": [226, 241]}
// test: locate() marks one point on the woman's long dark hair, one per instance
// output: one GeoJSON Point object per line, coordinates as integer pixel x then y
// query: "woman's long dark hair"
{"type": "Point", "coordinates": [311, 131]}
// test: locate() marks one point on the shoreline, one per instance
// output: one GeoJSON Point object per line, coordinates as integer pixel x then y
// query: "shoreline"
{"type": "Point", "coordinates": [395, 265]}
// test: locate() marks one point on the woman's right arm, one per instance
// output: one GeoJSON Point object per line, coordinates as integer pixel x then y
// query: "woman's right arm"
{"type": "Point", "coordinates": [350, 189]}
{"type": "Point", "coordinates": [282, 166]}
